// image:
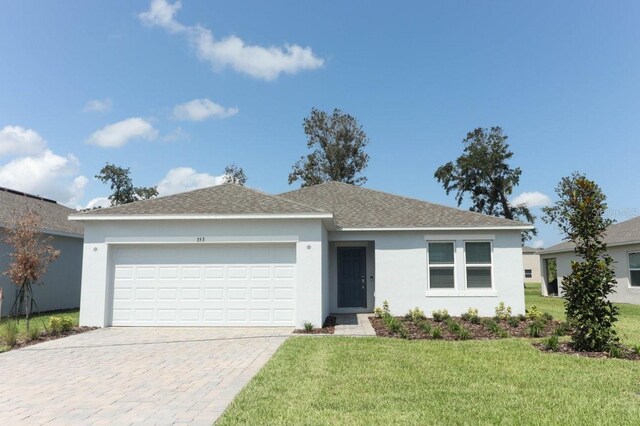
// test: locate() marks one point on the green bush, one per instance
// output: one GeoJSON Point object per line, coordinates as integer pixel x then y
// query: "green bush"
{"type": "Point", "coordinates": [513, 321]}
{"type": "Point", "coordinates": [55, 325]}
{"type": "Point", "coordinates": [308, 326]}
{"type": "Point", "coordinates": [425, 326]}
{"type": "Point", "coordinates": [471, 316]}
{"type": "Point", "coordinates": [522, 317]}
{"type": "Point", "coordinates": [378, 312]}
{"type": "Point", "coordinates": [494, 327]}
{"type": "Point", "coordinates": [416, 314]}
{"type": "Point", "coordinates": [34, 332]}
{"type": "Point", "coordinates": [9, 333]}
{"type": "Point", "coordinates": [552, 343]}
{"type": "Point", "coordinates": [385, 308]}
{"type": "Point", "coordinates": [615, 351]}
{"type": "Point", "coordinates": [440, 315]}
{"type": "Point", "coordinates": [547, 317]}
{"type": "Point", "coordinates": [562, 329]}
{"type": "Point", "coordinates": [503, 312]}
{"type": "Point", "coordinates": [535, 328]}
{"type": "Point", "coordinates": [636, 349]}
{"type": "Point", "coordinates": [533, 313]}
{"type": "Point", "coordinates": [436, 333]}
{"type": "Point", "coordinates": [67, 324]}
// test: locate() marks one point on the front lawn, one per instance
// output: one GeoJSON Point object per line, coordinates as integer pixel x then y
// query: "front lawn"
{"type": "Point", "coordinates": [41, 321]}
{"type": "Point", "coordinates": [390, 381]}
{"type": "Point", "coordinates": [628, 325]}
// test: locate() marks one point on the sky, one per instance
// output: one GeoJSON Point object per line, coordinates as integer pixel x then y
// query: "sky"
{"type": "Point", "coordinates": [178, 90]}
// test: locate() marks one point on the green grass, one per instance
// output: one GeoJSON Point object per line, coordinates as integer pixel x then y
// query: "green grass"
{"type": "Point", "coordinates": [335, 380]}
{"type": "Point", "coordinates": [40, 321]}
{"type": "Point", "coordinates": [628, 326]}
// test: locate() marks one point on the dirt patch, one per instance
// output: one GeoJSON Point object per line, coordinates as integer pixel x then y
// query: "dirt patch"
{"type": "Point", "coordinates": [45, 337]}
{"type": "Point", "coordinates": [479, 331]}
{"type": "Point", "coordinates": [565, 348]}
{"type": "Point", "coordinates": [328, 327]}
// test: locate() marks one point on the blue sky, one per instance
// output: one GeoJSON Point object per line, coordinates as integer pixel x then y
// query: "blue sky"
{"type": "Point", "coordinates": [179, 92]}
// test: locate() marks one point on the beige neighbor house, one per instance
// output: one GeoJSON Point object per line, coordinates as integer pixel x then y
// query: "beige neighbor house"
{"type": "Point", "coordinates": [623, 241]}
{"type": "Point", "coordinates": [60, 287]}
{"type": "Point", "coordinates": [531, 263]}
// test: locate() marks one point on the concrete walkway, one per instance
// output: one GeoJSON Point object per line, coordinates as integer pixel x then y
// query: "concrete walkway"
{"type": "Point", "coordinates": [126, 376]}
{"type": "Point", "coordinates": [353, 325]}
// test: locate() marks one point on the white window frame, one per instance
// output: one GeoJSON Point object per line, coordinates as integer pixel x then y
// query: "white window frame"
{"type": "Point", "coordinates": [632, 269]}
{"type": "Point", "coordinates": [478, 265]}
{"type": "Point", "coordinates": [442, 266]}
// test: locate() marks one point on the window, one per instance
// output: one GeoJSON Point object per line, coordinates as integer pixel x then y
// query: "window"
{"type": "Point", "coordinates": [441, 265]}
{"type": "Point", "coordinates": [528, 273]}
{"type": "Point", "coordinates": [478, 264]}
{"type": "Point", "coordinates": [634, 269]}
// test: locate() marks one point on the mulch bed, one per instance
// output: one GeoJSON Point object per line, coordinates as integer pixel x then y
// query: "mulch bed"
{"type": "Point", "coordinates": [565, 348]}
{"type": "Point", "coordinates": [476, 331]}
{"type": "Point", "coordinates": [45, 337]}
{"type": "Point", "coordinates": [328, 327]}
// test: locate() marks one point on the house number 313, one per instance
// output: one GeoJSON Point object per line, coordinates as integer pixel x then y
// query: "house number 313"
{"type": "Point", "coordinates": [200, 239]}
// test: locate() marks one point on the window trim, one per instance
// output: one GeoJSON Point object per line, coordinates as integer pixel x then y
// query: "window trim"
{"type": "Point", "coordinates": [629, 268]}
{"type": "Point", "coordinates": [442, 266]}
{"type": "Point", "coordinates": [478, 265]}
{"type": "Point", "coordinates": [529, 272]}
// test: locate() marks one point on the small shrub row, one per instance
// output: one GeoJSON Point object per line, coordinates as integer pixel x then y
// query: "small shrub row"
{"type": "Point", "coordinates": [471, 316]}
{"type": "Point", "coordinates": [59, 325]}
{"type": "Point", "coordinates": [493, 326]}
{"type": "Point", "coordinates": [461, 332]}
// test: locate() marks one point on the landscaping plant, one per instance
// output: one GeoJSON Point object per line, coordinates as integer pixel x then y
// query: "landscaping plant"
{"type": "Point", "coordinates": [533, 313]}
{"type": "Point", "coordinates": [503, 312]}
{"type": "Point", "coordinates": [416, 314]}
{"type": "Point", "coordinates": [308, 326]}
{"type": "Point", "coordinates": [32, 253]}
{"type": "Point", "coordinates": [471, 316]}
{"type": "Point", "coordinates": [10, 333]}
{"type": "Point", "coordinates": [552, 343]}
{"type": "Point", "coordinates": [440, 315]}
{"type": "Point", "coordinates": [580, 214]}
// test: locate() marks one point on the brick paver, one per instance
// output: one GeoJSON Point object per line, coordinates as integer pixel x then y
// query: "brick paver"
{"type": "Point", "coordinates": [133, 375]}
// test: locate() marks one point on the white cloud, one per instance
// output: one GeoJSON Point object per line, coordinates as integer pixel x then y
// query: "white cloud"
{"type": "Point", "coordinates": [16, 140]}
{"type": "Point", "coordinates": [117, 134]}
{"type": "Point", "coordinates": [182, 179]}
{"type": "Point", "coordinates": [97, 105]}
{"type": "Point", "coordinates": [177, 135]}
{"type": "Point", "coordinates": [46, 174]}
{"type": "Point", "coordinates": [537, 244]}
{"type": "Point", "coordinates": [201, 109]}
{"type": "Point", "coordinates": [98, 202]}
{"type": "Point", "coordinates": [531, 199]}
{"type": "Point", "coordinates": [266, 63]}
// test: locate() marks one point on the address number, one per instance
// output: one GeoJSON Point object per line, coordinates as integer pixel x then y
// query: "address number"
{"type": "Point", "coordinates": [200, 239]}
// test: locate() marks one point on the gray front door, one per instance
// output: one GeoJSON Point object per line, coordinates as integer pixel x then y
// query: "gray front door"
{"type": "Point", "coordinates": [352, 277]}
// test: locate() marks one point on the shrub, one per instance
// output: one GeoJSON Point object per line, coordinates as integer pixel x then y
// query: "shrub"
{"type": "Point", "coordinates": [552, 343]}
{"type": "Point", "coordinates": [67, 323]}
{"type": "Point", "coordinates": [385, 308]}
{"type": "Point", "coordinates": [440, 315]}
{"type": "Point", "coordinates": [522, 318]}
{"type": "Point", "coordinates": [416, 314]}
{"type": "Point", "coordinates": [378, 312]}
{"type": "Point", "coordinates": [494, 327]}
{"type": "Point", "coordinates": [403, 332]}
{"type": "Point", "coordinates": [436, 333]}
{"type": "Point", "coordinates": [34, 332]}
{"type": "Point", "coordinates": [535, 328]}
{"type": "Point", "coordinates": [10, 333]}
{"type": "Point", "coordinates": [513, 321]}
{"type": "Point", "coordinates": [547, 317]}
{"type": "Point", "coordinates": [533, 313]}
{"type": "Point", "coordinates": [308, 326]}
{"type": "Point", "coordinates": [636, 349]}
{"type": "Point", "coordinates": [615, 351]}
{"type": "Point", "coordinates": [503, 312]}
{"type": "Point", "coordinates": [425, 326]}
{"type": "Point", "coordinates": [55, 325]}
{"type": "Point", "coordinates": [395, 326]}
{"type": "Point", "coordinates": [562, 329]}
{"type": "Point", "coordinates": [471, 316]}
{"type": "Point", "coordinates": [463, 334]}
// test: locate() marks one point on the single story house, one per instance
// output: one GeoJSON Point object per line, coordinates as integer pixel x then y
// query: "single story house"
{"type": "Point", "coordinates": [623, 244]}
{"type": "Point", "coordinates": [531, 260]}
{"type": "Point", "coordinates": [233, 256]}
{"type": "Point", "coordinates": [60, 287]}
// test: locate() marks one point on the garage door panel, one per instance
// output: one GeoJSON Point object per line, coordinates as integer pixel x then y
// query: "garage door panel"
{"type": "Point", "coordinates": [204, 286]}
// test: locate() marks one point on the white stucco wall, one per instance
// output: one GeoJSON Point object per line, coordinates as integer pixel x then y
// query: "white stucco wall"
{"type": "Point", "coordinates": [101, 237]}
{"type": "Point", "coordinates": [400, 275]}
{"type": "Point", "coordinates": [60, 288]}
{"type": "Point", "coordinates": [624, 292]}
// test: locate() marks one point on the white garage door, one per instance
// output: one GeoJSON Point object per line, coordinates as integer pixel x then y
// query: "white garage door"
{"type": "Point", "coordinates": [232, 285]}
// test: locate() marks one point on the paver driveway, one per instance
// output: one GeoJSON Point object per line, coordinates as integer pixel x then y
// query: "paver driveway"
{"type": "Point", "coordinates": [133, 375]}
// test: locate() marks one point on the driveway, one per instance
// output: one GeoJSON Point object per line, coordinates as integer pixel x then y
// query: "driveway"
{"type": "Point", "coordinates": [133, 375]}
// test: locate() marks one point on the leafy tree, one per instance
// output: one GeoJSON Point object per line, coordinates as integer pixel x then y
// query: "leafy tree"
{"type": "Point", "coordinates": [32, 253]}
{"type": "Point", "coordinates": [123, 190]}
{"type": "Point", "coordinates": [235, 174]}
{"type": "Point", "coordinates": [338, 143]}
{"type": "Point", "coordinates": [580, 214]}
{"type": "Point", "coordinates": [483, 172]}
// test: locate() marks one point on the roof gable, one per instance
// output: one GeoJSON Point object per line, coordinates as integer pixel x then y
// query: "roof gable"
{"type": "Point", "coordinates": [360, 208]}
{"type": "Point", "coordinates": [617, 234]}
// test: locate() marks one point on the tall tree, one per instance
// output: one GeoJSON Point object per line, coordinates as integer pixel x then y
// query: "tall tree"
{"type": "Point", "coordinates": [580, 215]}
{"type": "Point", "coordinates": [483, 172]}
{"type": "Point", "coordinates": [32, 253]}
{"type": "Point", "coordinates": [123, 190]}
{"type": "Point", "coordinates": [234, 174]}
{"type": "Point", "coordinates": [337, 142]}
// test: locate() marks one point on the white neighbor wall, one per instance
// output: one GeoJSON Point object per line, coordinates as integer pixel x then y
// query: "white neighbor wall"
{"type": "Point", "coordinates": [624, 292]}
{"type": "Point", "coordinates": [102, 236]}
{"type": "Point", "coordinates": [60, 287]}
{"type": "Point", "coordinates": [401, 271]}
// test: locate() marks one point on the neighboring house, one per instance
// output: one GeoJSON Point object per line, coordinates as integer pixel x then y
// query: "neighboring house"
{"type": "Point", "coordinates": [60, 287]}
{"type": "Point", "coordinates": [623, 244]}
{"type": "Point", "coordinates": [531, 261]}
{"type": "Point", "coordinates": [230, 255]}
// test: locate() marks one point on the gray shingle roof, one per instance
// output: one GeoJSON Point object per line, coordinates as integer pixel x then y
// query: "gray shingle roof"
{"type": "Point", "coordinates": [226, 199]}
{"type": "Point", "coordinates": [54, 216]}
{"type": "Point", "coordinates": [357, 207]}
{"type": "Point", "coordinates": [530, 250]}
{"type": "Point", "coordinates": [619, 233]}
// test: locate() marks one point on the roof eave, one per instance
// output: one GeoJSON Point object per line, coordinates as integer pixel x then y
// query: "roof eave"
{"type": "Point", "coordinates": [444, 228]}
{"type": "Point", "coordinates": [571, 249]}
{"type": "Point", "coordinates": [112, 217]}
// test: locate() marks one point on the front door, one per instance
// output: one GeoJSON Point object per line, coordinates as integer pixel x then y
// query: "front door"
{"type": "Point", "coordinates": [352, 277]}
